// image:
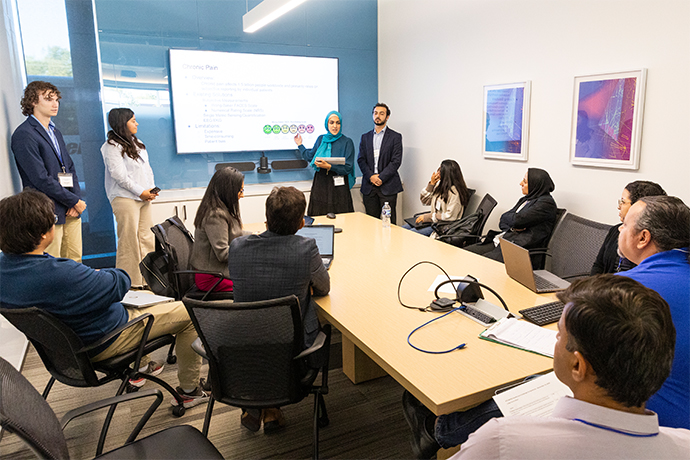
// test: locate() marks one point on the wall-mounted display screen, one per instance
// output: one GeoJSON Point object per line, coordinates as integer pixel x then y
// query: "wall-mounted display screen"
{"type": "Point", "coordinates": [231, 102]}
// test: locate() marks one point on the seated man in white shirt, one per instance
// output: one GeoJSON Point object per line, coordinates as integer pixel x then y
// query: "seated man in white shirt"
{"type": "Point", "coordinates": [614, 350]}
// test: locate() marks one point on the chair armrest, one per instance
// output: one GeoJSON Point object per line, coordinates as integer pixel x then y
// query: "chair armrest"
{"type": "Point", "coordinates": [110, 335]}
{"type": "Point", "coordinates": [218, 275]}
{"type": "Point", "coordinates": [78, 412]}
{"type": "Point", "coordinates": [316, 346]}
{"type": "Point", "coordinates": [198, 347]}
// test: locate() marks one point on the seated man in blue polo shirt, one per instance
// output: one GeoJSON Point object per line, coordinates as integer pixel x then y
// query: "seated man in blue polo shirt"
{"type": "Point", "coordinates": [655, 235]}
{"type": "Point", "coordinates": [86, 300]}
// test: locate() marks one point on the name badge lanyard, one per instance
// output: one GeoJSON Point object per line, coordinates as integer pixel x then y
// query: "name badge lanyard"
{"type": "Point", "coordinates": [56, 145]}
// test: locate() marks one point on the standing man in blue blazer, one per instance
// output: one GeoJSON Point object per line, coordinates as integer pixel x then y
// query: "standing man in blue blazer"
{"type": "Point", "coordinates": [380, 156]}
{"type": "Point", "coordinates": [45, 165]}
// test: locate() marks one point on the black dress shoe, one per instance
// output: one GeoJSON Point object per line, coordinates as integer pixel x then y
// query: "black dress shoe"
{"type": "Point", "coordinates": [251, 419]}
{"type": "Point", "coordinates": [424, 444]}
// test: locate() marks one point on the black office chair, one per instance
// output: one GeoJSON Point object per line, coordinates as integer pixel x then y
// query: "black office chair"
{"type": "Point", "coordinates": [538, 255]}
{"type": "Point", "coordinates": [574, 246]}
{"type": "Point", "coordinates": [256, 356]}
{"type": "Point", "coordinates": [25, 413]}
{"type": "Point", "coordinates": [168, 270]}
{"type": "Point", "coordinates": [67, 359]}
{"type": "Point", "coordinates": [484, 209]}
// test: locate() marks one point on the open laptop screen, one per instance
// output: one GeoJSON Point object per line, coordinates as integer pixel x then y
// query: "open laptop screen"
{"type": "Point", "coordinates": [323, 234]}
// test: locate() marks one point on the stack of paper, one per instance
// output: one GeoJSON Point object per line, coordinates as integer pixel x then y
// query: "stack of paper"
{"type": "Point", "coordinates": [536, 398]}
{"type": "Point", "coordinates": [523, 335]}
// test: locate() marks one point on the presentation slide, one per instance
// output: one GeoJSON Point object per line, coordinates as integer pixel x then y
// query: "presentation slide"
{"type": "Point", "coordinates": [232, 102]}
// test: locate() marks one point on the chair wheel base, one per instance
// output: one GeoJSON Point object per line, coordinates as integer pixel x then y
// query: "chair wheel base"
{"type": "Point", "coordinates": [172, 359]}
{"type": "Point", "coordinates": [178, 411]}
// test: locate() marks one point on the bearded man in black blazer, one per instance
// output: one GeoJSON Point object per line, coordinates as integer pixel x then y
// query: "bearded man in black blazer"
{"type": "Point", "coordinates": [380, 156]}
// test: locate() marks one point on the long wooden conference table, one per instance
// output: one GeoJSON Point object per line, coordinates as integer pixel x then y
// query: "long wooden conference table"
{"type": "Point", "coordinates": [363, 304]}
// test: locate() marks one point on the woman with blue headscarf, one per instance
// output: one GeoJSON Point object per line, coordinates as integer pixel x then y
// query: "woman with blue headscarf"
{"type": "Point", "coordinates": [330, 190]}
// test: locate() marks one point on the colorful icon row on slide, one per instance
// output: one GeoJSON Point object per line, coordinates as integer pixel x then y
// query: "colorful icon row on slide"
{"type": "Point", "coordinates": [292, 129]}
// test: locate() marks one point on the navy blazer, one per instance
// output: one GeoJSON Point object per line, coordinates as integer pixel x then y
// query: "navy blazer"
{"type": "Point", "coordinates": [390, 159]}
{"type": "Point", "coordinates": [38, 165]}
{"type": "Point", "coordinates": [268, 266]}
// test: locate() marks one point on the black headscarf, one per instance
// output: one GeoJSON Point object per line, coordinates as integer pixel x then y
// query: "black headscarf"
{"type": "Point", "coordinates": [538, 183]}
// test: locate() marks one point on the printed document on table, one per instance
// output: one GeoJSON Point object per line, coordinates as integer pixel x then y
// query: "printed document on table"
{"type": "Point", "coordinates": [536, 397]}
{"type": "Point", "coordinates": [523, 335]}
{"type": "Point", "coordinates": [449, 288]}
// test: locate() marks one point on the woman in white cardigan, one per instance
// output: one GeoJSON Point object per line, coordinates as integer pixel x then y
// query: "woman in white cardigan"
{"type": "Point", "coordinates": [447, 195]}
{"type": "Point", "coordinates": [129, 184]}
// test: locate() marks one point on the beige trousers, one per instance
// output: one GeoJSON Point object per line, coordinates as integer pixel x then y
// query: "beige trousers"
{"type": "Point", "coordinates": [169, 318]}
{"type": "Point", "coordinates": [67, 241]}
{"type": "Point", "coordinates": [134, 236]}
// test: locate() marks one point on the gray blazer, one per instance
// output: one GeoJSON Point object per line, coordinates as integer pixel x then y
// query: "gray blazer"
{"type": "Point", "coordinates": [269, 265]}
{"type": "Point", "coordinates": [212, 240]}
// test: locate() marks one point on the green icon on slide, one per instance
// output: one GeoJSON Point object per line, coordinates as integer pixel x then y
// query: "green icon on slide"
{"type": "Point", "coordinates": [268, 129]}
{"type": "Point", "coordinates": [276, 129]}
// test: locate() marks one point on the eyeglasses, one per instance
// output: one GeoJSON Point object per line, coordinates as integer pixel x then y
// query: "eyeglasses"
{"type": "Point", "coordinates": [621, 202]}
{"type": "Point", "coordinates": [56, 218]}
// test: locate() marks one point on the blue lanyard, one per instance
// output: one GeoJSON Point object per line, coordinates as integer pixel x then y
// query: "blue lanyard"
{"type": "Point", "coordinates": [634, 435]}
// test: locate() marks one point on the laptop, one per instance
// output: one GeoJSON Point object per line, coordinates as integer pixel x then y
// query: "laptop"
{"type": "Point", "coordinates": [141, 299]}
{"type": "Point", "coordinates": [324, 236]}
{"type": "Point", "coordinates": [412, 222]}
{"type": "Point", "coordinates": [519, 267]}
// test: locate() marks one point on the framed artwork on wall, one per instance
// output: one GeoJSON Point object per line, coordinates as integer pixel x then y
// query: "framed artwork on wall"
{"type": "Point", "coordinates": [506, 121]}
{"type": "Point", "coordinates": [606, 125]}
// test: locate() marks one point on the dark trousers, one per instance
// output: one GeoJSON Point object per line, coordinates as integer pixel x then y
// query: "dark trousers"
{"type": "Point", "coordinates": [373, 202]}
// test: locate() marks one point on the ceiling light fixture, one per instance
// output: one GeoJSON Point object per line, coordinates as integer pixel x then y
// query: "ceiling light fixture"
{"type": "Point", "coordinates": [265, 12]}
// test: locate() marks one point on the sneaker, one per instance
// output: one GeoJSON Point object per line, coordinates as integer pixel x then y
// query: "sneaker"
{"type": "Point", "coordinates": [205, 384]}
{"type": "Point", "coordinates": [153, 368]}
{"type": "Point", "coordinates": [191, 399]}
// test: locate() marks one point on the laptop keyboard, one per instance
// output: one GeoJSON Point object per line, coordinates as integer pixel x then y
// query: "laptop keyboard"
{"type": "Point", "coordinates": [543, 284]}
{"type": "Point", "coordinates": [543, 314]}
{"type": "Point", "coordinates": [481, 316]}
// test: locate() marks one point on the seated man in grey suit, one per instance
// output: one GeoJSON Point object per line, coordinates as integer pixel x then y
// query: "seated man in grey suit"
{"type": "Point", "coordinates": [278, 263]}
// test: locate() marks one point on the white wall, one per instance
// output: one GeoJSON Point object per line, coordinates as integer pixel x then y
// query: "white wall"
{"type": "Point", "coordinates": [435, 56]}
{"type": "Point", "coordinates": [10, 94]}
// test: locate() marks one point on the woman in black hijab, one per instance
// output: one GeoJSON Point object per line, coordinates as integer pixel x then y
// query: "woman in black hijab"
{"type": "Point", "coordinates": [530, 222]}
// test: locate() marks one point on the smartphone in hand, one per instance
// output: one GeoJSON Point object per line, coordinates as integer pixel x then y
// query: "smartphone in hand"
{"type": "Point", "coordinates": [155, 190]}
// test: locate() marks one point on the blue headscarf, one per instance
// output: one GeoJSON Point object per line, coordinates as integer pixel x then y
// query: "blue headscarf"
{"type": "Point", "coordinates": [324, 150]}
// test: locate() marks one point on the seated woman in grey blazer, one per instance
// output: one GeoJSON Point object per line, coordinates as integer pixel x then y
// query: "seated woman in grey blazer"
{"type": "Point", "coordinates": [217, 223]}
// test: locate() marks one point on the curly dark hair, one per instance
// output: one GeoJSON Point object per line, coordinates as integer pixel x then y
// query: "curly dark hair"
{"type": "Point", "coordinates": [31, 93]}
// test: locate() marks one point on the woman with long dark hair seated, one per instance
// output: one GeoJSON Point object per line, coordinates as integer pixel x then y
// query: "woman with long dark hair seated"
{"type": "Point", "coordinates": [530, 222]}
{"type": "Point", "coordinates": [447, 195]}
{"type": "Point", "coordinates": [217, 223]}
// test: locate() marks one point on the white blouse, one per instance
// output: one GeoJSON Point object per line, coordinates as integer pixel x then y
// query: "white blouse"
{"type": "Point", "coordinates": [125, 177]}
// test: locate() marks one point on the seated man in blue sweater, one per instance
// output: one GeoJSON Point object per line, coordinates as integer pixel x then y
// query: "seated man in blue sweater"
{"type": "Point", "coordinates": [86, 300]}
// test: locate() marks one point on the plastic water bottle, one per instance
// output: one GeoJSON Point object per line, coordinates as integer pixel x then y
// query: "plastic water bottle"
{"type": "Point", "coordinates": [386, 215]}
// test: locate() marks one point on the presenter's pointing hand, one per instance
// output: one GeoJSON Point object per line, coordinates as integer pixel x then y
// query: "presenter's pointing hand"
{"type": "Point", "coordinates": [298, 139]}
